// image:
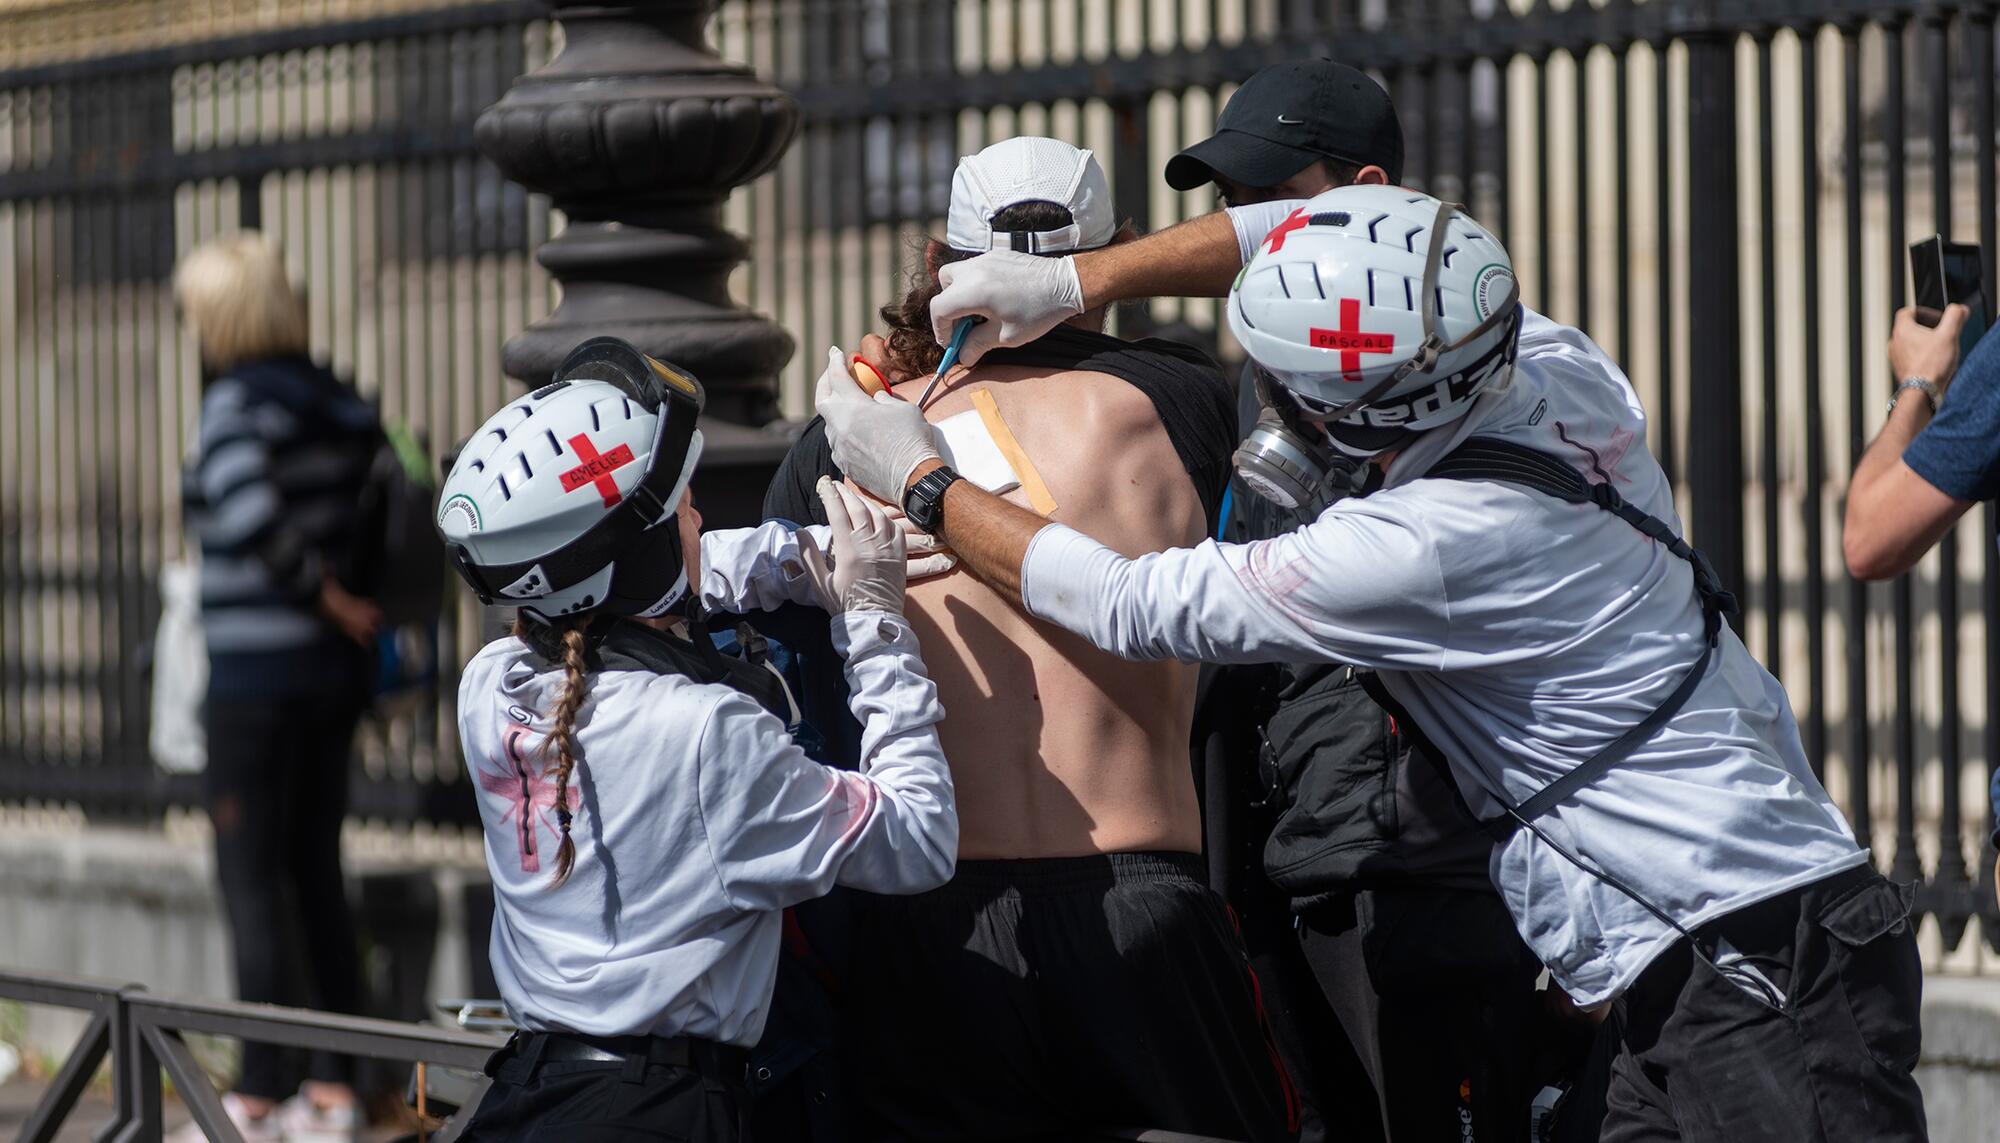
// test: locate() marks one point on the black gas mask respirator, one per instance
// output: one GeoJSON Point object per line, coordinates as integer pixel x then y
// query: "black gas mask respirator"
{"type": "Point", "coordinates": [1287, 460]}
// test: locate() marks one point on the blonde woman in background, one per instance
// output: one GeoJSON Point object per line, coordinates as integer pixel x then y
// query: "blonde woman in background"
{"type": "Point", "coordinates": [283, 451]}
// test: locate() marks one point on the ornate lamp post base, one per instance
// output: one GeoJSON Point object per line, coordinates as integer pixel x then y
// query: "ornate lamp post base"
{"type": "Point", "coordinates": [638, 133]}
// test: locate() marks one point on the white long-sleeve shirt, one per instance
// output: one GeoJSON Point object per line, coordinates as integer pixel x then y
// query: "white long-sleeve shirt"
{"type": "Point", "coordinates": [1523, 633]}
{"type": "Point", "coordinates": [696, 819]}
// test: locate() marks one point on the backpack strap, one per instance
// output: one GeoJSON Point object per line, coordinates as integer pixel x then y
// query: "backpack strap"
{"type": "Point", "coordinates": [1488, 458]}
{"type": "Point", "coordinates": [618, 644]}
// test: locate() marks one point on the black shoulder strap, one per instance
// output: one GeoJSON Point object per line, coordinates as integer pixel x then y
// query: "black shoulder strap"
{"type": "Point", "coordinates": [1487, 458]}
{"type": "Point", "coordinates": [626, 646]}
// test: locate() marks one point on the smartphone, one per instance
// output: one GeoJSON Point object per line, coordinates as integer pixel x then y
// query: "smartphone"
{"type": "Point", "coordinates": [1944, 272]}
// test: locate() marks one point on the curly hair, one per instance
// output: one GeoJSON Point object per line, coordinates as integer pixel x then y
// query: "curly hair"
{"type": "Point", "coordinates": [913, 348]}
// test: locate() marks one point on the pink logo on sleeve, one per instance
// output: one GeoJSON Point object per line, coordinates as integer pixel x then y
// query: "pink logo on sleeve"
{"type": "Point", "coordinates": [851, 801]}
{"type": "Point", "coordinates": [532, 792]}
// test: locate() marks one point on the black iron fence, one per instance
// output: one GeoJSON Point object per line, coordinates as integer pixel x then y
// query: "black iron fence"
{"type": "Point", "coordinates": [350, 144]}
{"type": "Point", "coordinates": [1719, 192]}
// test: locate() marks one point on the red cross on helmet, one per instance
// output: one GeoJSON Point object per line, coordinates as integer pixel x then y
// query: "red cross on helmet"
{"type": "Point", "coordinates": [563, 501]}
{"type": "Point", "coordinates": [1382, 311]}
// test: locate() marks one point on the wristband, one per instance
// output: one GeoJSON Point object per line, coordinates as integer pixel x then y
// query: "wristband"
{"type": "Point", "coordinates": [1929, 390]}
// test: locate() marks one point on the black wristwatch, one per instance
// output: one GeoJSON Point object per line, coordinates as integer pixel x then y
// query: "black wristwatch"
{"type": "Point", "coordinates": [924, 502]}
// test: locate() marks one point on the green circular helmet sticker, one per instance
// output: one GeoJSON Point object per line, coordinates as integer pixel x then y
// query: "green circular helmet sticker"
{"type": "Point", "coordinates": [1489, 288]}
{"type": "Point", "coordinates": [464, 508]}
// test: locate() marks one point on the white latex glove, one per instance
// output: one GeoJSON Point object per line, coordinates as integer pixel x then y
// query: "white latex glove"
{"type": "Point", "coordinates": [926, 555]}
{"type": "Point", "coordinates": [875, 440]}
{"type": "Point", "coordinates": [864, 571]}
{"type": "Point", "coordinates": [1021, 296]}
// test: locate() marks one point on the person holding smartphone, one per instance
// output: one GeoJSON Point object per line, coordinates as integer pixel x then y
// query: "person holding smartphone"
{"type": "Point", "coordinates": [1936, 456]}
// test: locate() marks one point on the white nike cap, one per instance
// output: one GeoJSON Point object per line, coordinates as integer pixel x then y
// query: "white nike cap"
{"type": "Point", "coordinates": [1029, 169]}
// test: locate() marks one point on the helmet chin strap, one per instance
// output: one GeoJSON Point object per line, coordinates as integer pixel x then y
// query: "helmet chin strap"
{"type": "Point", "coordinates": [677, 595]}
{"type": "Point", "coordinates": [1372, 446]}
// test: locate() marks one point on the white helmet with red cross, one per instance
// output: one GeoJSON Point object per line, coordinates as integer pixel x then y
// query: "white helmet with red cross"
{"type": "Point", "coordinates": [564, 501]}
{"type": "Point", "coordinates": [1383, 311]}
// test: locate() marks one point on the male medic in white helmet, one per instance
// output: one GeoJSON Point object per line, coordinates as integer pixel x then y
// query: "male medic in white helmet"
{"type": "Point", "coordinates": [1520, 584]}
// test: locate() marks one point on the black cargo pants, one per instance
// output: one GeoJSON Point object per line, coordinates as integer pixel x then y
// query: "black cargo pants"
{"type": "Point", "coordinates": [1705, 1059]}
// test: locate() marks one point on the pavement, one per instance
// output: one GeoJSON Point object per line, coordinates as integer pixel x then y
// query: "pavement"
{"type": "Point", "coordinates": [19, 1095]}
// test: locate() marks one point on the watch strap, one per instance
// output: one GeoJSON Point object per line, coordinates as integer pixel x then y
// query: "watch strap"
{"type": "Point", "coordinates": [1923, 384]}
{"type": "Point", "coordinates": [924, 502]}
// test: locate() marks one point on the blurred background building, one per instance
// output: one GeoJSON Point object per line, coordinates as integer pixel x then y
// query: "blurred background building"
{"type": "Point", "coordinates": [1721, 193]}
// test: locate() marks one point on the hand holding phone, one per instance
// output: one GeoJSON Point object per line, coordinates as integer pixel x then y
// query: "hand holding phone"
{"type": "Point", "coordinates": [1929, 350]}
{"type": "Point", "coordinates": [1942, 273]}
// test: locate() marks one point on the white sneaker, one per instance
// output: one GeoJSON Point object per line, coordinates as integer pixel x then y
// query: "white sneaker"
{"type": "Point", "coordinates": [265, 1130]}
{"type": "Point", "coordinates": [304, 1121]}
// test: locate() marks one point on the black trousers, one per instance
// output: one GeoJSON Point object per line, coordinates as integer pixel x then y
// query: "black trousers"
{"type": "Point", "coordinates": [1436, 992]}
{"type": "Point", "coordinates": [1039, 999]}
{"type": "Point", "coordinates": [541, 1101]}
{"type": "Point", "coordinates": [1705, 1059]}
{"type": "Point", "coordinates": [1336, 1094]}
{"type": "Point", "coordinates": [276, 786]}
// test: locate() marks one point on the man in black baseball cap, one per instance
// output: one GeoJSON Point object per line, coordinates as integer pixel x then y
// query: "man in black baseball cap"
{"type": "Point", "coordinates": [1418, 960]}
{"type": "Point", "coordinates": [1285, 121]}
{"type": "Point", "coordinates": [1398, 935]}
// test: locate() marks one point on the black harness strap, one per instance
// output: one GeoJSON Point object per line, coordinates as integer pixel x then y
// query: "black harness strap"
{"type": "Point", "coordinates": [618, 644]}
{"type": "Point", "coordinates": [1486, 458]}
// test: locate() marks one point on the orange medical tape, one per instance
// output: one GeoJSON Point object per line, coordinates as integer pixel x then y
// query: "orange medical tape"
{"type": "Point", "coordinates": [1039, 498]}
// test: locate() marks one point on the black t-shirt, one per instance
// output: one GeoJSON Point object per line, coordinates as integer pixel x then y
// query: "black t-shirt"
{"type": "Point", "coordinates": [1197, 407]}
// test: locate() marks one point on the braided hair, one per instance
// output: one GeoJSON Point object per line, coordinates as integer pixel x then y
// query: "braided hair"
{"type": "Point", "coordinates": [564, 641]}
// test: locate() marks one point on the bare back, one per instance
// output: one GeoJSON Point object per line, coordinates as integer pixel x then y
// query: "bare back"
{"type": "Point", "coordinates": [1059, 749]}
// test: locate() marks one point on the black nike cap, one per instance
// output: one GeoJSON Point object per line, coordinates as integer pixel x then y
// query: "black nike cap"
{"type": "Point", "coordinates": [1286, 117]}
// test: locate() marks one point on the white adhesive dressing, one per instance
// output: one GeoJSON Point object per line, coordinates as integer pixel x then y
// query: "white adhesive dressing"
{"type": "Point", "coordinates": [966, 445]}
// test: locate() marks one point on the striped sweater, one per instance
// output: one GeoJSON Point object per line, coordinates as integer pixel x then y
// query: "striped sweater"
{"type": "Point", "coordinates": [284, 452]}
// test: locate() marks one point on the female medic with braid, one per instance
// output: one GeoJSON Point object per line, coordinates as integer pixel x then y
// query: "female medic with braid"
{"type": "Point", "coordinates": [647, 814]}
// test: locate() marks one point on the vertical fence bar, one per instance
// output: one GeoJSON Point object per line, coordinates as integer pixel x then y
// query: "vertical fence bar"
{"type": "Point", "coordinates": [1503, 158]}
{"type": "Point", "coordinates": [72, 509]}
{"type": "Point", "coordinates": [1621, 205]}
{"type": "Point", "coordinates": [13, 253]}
{"type": "Point", "coordinates": [1855, 614]}
{"type": "Point", "coordinates": [118, 545]}
{"type": "Point", "coordinates": [1131, 190]}
{"type": "Point", "coordinates": [1580, 59]}
{"type": "Point", "coordinates": [1715, 360]}
{"type": "Point", "coordinates": [1663, 225]}
{"type": "Point", "coordinates": [1468, 138]}
{"type": "Point", "coordinates": [1907, 865]}
{"type": "Point", "coordinates": [1545, 270]}
{"type": "Point", "coordinates": [1948, 878]}
{"type": "Point", "coordinates": [1767, 272]}
{"type": "Point", "coordinates": [1815, 444]}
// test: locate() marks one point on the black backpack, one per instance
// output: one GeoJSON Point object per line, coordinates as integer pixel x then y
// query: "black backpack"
{"type": "Point", "coordinates": [1360, 800]}
{"type": "Point", "coordinates": [394, 556]}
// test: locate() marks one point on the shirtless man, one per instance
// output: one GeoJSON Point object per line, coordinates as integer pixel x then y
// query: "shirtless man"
{"type": "Point", "coordinates": [1076, 972]}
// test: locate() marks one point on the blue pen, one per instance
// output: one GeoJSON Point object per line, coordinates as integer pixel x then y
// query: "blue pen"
{"type": "Point", "coordinates": [950, 358]}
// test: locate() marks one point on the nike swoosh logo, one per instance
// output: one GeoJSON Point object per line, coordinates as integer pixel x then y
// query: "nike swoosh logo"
{"type": "Point", "coordinates": [1291, 122]}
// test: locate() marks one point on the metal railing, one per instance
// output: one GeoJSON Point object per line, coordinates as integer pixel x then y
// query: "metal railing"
{"type": "Point", "coordinates": [1742, 267]}
{"type": "Point", "coordinates": [142, 1033]}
